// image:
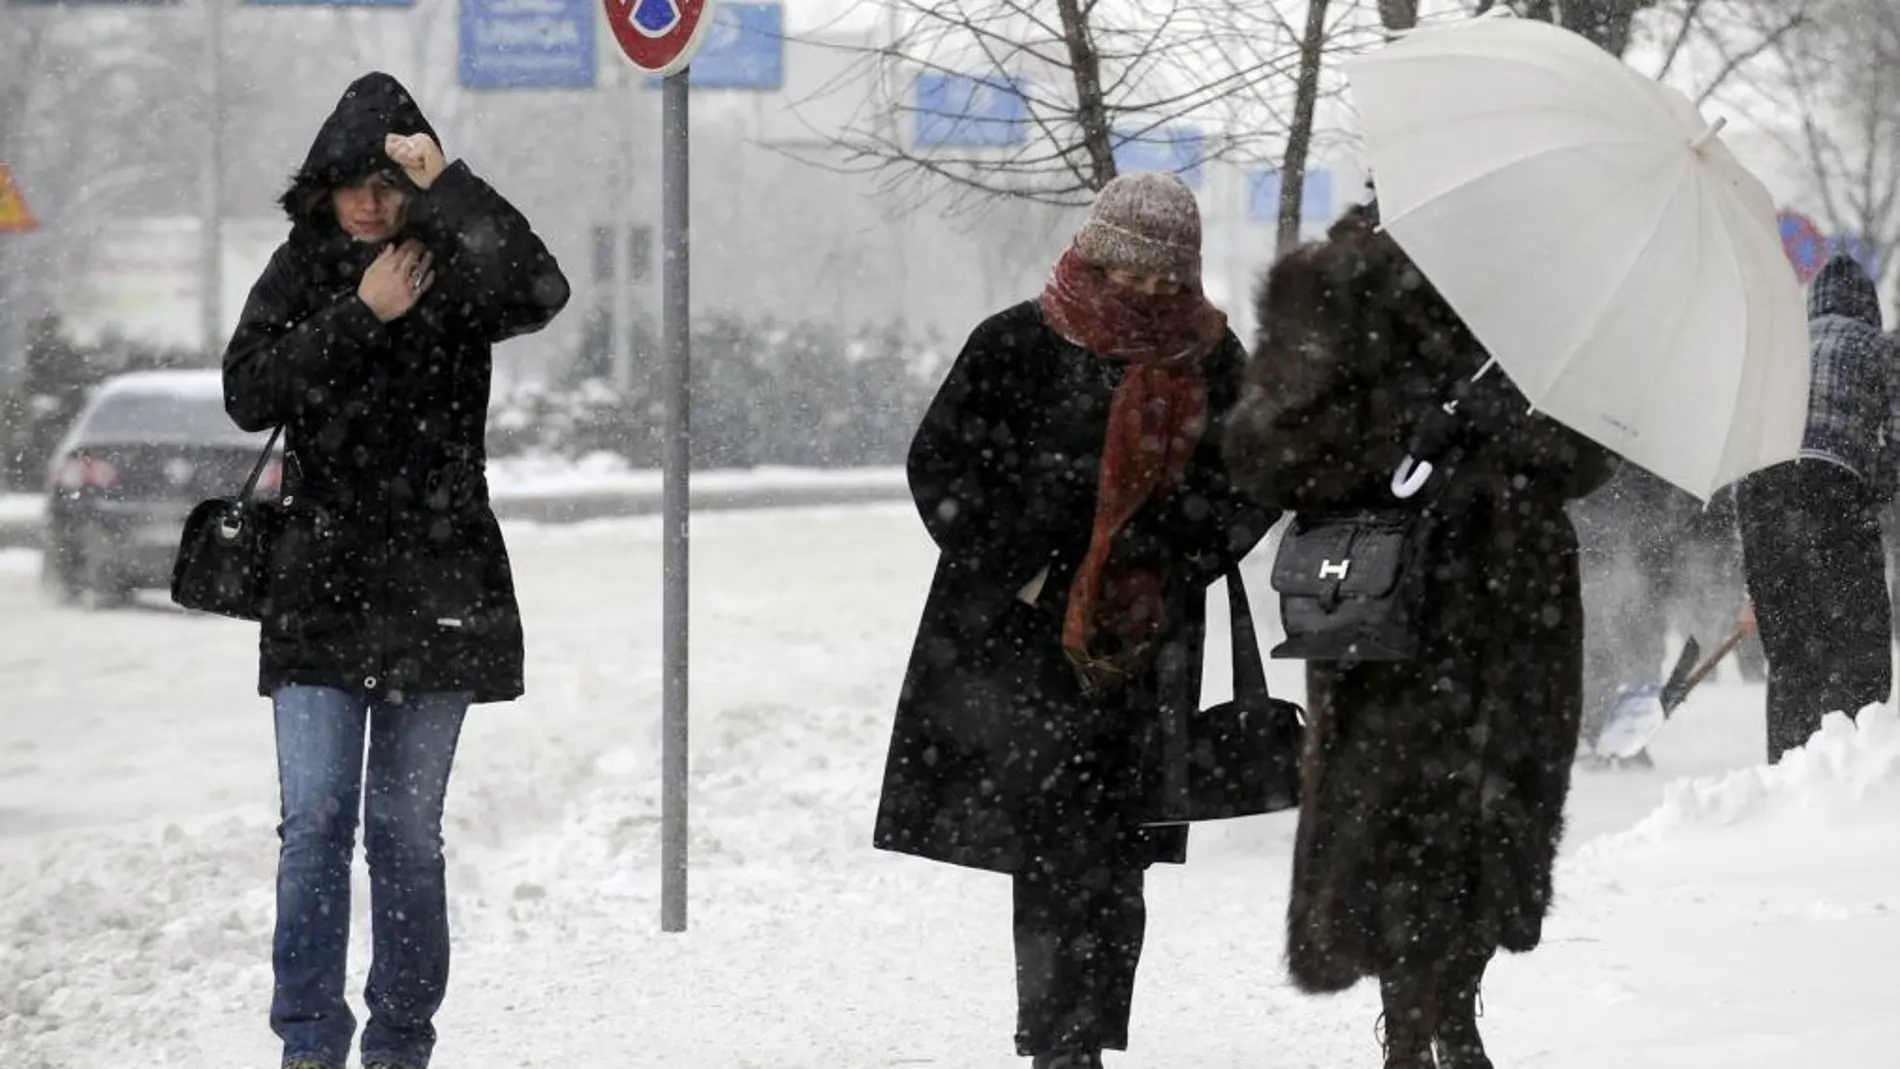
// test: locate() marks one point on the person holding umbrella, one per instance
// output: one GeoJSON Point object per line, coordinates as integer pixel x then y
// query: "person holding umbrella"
{"type": "Point", "coordinates": [1434, 787]}
{"type": "Point", "coordinates": [1543, 206]}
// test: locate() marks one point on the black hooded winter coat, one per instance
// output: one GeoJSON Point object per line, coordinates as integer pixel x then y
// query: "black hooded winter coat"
{"type": "Point", "coordinates": [1850, 411]}
{"type": "Point", "coordinates": [389, 576]}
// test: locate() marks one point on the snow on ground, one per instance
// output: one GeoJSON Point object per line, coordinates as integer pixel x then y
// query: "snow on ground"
{"type": "Point", "coordinates": [597, 474]}
{"type": "Point", "coordinates": [1735, 920]}
{"type": "Point", "coordinates": [604, 473]}
{"type": "Point", "coordinates": [21, 508]}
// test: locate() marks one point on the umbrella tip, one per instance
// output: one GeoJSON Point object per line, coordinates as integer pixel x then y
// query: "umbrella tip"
{"type": "Point", "coordinates": [1702, 139]}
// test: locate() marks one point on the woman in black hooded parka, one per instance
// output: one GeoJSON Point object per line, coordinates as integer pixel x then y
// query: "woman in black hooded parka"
{"type": "Point", "coordinates": [391, 607]}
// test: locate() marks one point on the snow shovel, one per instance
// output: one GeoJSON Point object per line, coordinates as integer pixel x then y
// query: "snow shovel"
{"type": "Point", "coordinates": [1640, 711]}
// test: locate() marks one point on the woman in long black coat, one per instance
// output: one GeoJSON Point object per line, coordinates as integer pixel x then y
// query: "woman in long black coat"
{"type": "Point", "coordinates": [1433, 792]}
{"type": "Point", "coordinates": [1069, 470]}
{"type": "Point", "coordinates": [391, 607]}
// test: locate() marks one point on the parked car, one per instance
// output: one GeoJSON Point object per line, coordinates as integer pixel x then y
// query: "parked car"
{"type": "Point", "coordinates": [145, 449]}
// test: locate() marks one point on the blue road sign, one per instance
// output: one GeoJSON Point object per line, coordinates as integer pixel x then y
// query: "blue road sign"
{"type": "Point", "coordinates": [527, 44]}
{"type": "Point", "coordinates": [1175, 148]}
{"type": "Point", "coordinates": [744, 49]}
{"type": "Point", "coordinates": [1316, 196]}
{"type": "Point", "coordinates": [969, 111]}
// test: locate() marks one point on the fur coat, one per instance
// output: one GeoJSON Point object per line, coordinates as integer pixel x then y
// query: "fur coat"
{"type": "Point", "coordinates": [1433, 789]}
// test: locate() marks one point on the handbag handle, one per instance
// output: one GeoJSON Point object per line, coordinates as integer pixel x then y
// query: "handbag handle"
{"type": "Point", "coordinates": [1250, 672]}
{"type": "Point", "coordinates": [257, 469]}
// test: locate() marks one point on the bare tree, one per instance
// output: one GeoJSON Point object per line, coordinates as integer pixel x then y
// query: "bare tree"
{"type": "Point", "coordinates": [1092, 77]}
{"type": "Point", "coordinates": [1738, 32]}
{"type": "Point", "coordinates": [1841, 78]}
{"type": "Point", "coordinates": [1300, 138]}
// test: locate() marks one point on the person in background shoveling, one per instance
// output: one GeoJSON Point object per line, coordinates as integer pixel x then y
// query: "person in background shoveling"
{"type": "Point", "coordinates": [391, 604]}
{"type": "Point", "coordinates": [1069, 471]}
{"type": "Point", "coordinates": [1811, 543]}
{"type": "Point", "coordinates": [1434, 788]}
{"type": "Point", "coordinates": [1632, 532]}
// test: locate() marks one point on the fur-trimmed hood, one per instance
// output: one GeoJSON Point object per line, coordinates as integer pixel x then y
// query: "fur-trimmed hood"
{"type": "Point", "coordinates": [349, 145]}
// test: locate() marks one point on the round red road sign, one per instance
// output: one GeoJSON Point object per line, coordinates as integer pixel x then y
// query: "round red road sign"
{"type": "Point", "coordinates": [659, 36]}
{"type": "Point", "coordinates": [1802, 240]}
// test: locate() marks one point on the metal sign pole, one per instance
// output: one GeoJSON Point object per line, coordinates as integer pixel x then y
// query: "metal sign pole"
{"type": "Point", "coordinates": [678, 344]}
{"type": "Point", "coordinates": [211, 238]}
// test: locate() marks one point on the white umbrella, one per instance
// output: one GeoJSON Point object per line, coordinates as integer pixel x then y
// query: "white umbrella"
{"type": "Point", "coordinates": [1598, 237]}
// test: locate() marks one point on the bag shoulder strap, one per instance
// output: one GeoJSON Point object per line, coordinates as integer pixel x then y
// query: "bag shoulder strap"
{"type": "Point", "coordinates": [1250, 672]}
{"type": "Point", "coordinates": [257, 469]}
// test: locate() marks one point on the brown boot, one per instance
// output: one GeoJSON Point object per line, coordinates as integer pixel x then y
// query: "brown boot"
{"type": "Point", "coordinates": [1459, 1006]}
{"type": "Point", "coordinates": [1410, 1018]}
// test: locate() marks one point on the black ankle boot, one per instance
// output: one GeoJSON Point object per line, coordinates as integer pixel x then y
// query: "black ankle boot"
{"type": "Point", "coordinates": [1409, 1019]}
{"type": "Point", "coordinates": [1459, 1005]}
{"type": "Point", "coordinates": [1458, 1043]}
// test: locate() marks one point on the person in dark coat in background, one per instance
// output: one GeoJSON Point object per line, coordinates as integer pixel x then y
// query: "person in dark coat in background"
{"type": "Point", "coordinates": [1811, 527]}
{"type": "Point", "coordinates": [1434, 788]}
{"type": "Point", "coordinates": [1069, 470]}
{"type": "Point", "coordinates": [391, 606]}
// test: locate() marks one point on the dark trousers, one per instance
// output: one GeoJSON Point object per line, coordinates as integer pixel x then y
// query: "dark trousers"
{"type": "Point", "coordinates": [1817, 573]}
{"type": "Point", "coordinates": [1078, 940]}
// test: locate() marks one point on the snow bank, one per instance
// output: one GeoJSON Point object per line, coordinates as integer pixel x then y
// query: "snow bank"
{"type": "Point", "coordinates": [1846, 777]}
{"type": "Point", "coordinates": [1813, 839]}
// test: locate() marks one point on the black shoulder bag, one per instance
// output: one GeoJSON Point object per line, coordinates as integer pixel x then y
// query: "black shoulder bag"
{"type": "Point", "coordinates": [1353, 582]}
{"type": "Point", "coordinates": [1239, 758]}
{"type": "Point", "coordinates": [224, 555]}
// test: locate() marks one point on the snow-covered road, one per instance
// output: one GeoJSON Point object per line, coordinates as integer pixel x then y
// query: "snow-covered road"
{"type": "Point", "coordinates": [1749, 920]}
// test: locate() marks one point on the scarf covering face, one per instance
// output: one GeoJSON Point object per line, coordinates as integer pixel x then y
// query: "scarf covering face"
{"type": "Point", "coordinates": [1155, 421]}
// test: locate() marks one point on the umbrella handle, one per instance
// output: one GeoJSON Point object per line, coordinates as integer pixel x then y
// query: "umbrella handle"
{"type": "Point", "coordinates": [1410, 477]}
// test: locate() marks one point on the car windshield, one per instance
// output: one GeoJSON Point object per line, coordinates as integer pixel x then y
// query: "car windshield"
{"type": "Point", "coordinates": [141, 416]}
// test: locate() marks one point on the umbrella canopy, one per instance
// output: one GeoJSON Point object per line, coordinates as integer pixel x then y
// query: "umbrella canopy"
{"type": "Point", "coordinates": [1598, 237]}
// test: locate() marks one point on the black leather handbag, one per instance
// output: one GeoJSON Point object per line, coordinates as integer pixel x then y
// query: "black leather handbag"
{"type": "Point", "coordinates": [1239, 758]}
{"type": "Point", "coordinates": [1353, 584]}
{"type": "Point", "coordinates": [224, 555]}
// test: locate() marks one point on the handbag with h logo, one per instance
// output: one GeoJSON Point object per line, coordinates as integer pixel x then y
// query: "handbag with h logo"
{"type": "Point", "coordinates": [1352, 584]}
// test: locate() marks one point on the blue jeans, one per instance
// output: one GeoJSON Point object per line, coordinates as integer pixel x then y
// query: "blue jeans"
{"type": "Point", "coordinates": [320, 769]}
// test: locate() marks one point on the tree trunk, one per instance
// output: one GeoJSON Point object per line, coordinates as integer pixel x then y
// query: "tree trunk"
{"type": "Point", "coordinates": [1300, 137]}
{"type": "Point", "coordinates": [1091, 111]}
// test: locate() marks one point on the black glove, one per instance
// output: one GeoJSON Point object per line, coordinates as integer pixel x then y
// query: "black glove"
{"type": "Point", "coordinates": [1491, 406]}
{"type": "Point", "coordinates": [1436, 434]}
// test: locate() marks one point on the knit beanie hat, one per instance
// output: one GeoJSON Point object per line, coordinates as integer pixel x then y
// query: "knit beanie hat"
{"type": "Point", "coordinates": [1146, 223]}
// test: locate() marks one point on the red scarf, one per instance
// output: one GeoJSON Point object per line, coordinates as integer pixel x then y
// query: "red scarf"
{"type": "Point", "coordinates": [1155, 421]}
